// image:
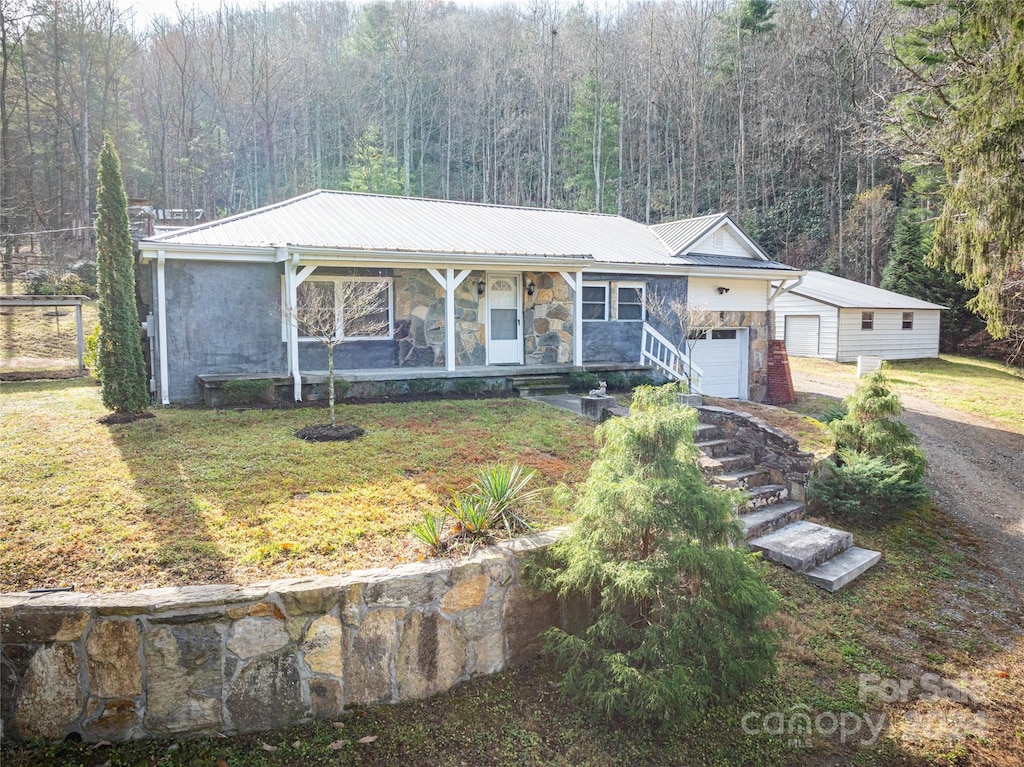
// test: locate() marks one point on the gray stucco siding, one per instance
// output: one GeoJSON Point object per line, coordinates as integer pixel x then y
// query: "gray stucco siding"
{"type": "Point", "coordinates": [221, 318]}
{"type": "Point", "coordinates": [619, 341]}
{"type": "Point", "coordinates": [349, 355]}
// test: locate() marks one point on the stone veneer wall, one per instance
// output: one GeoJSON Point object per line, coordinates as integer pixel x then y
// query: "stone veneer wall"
{"type": "Point", "coordinates": [757, 367]}
{"type": "Point", "coordinates": [419, 319]}
{"type": "Point", "coordinates": [547, 319]}
{"type": "Point", "coordinates": [206, 659]}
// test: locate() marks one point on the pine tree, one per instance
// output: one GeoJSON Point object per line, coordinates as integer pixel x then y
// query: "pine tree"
{"type": "Point", "coordinates": [908, 272]}
{"type": "Point", "coordinates": [120, 349]}
{"type": "Point", "coordinates": [678, 618]}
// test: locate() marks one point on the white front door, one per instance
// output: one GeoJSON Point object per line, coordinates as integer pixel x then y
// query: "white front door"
{"type": "Point", "coordinates": [504, 320]}
{"type": "Point", "coordinates": [722, 356]}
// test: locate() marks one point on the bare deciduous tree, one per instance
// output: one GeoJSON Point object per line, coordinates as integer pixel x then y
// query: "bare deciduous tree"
{"type": "Point", "coordinates": [336, 311]}
{"type": "Point", "coordinates": [684, 324]}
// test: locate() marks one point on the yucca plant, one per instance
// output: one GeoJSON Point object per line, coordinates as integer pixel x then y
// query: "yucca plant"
{"type": "Point", "coordinates": [471, 512]}
{"type": "Point", "coordinates": [431, 531]}
{"type": "Point", "coordinates": [504, 490]}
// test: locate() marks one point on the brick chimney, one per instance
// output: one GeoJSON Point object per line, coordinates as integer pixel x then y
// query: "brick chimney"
{"type": "Point", "coordinates": [780, 382]}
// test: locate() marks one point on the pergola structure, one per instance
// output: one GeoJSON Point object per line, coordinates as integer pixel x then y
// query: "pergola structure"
{"type": "Point", "coordinates": [55, 301]}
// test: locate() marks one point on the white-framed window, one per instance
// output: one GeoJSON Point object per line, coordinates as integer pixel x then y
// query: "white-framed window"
{"type": "Point", "coordinates": [908, 320]}
{"type": "Point", "coordinates": [867, 320]}
{"type": "Point", "coordinates": [629, 301]}
{"type": "Point", "coordinates": [356, 308]}
{"type": "Point", "coordinates": [595, 301]}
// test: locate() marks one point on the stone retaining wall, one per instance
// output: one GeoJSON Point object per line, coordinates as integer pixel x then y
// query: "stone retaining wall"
{"type": "Point", "coordinates": [205, 659]}
{"type": "Point", "coordinates": [775, 450]}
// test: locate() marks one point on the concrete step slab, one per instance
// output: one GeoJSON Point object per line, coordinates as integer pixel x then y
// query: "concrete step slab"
{"type": "Point", "coordinates": [835, 573]}
{"type": "Point", "coordinates": [715, 447]}
{"type": "Point", "coordinates": [770, 518]}
{"type": "Point", "coordinates": [802, 545]}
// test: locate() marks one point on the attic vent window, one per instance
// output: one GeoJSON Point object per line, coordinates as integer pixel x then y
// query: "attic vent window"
{"type": "Point", "coordinates": [719, 239]}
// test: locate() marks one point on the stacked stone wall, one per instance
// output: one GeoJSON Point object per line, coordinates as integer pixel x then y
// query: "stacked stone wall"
{"type": "Point", "coordinates": [226, 659]}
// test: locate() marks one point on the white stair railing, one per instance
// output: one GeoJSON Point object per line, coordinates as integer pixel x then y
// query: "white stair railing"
{"type": "Point", "coordinates": [666, 357]}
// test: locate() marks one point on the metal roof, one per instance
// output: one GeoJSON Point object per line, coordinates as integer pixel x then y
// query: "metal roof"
{"type": "Point", "coordinates": [847, 294]}
{"type": "Point", "coordinates": [678, 236]}
{"type": "Point", "coordinates": [358, 222]}
{"type": "Point", "coordinates": [737, 262]}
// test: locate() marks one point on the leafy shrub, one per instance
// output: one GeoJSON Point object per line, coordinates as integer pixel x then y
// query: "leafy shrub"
{"type": "Point", "coordinates": [420, 386]}
{"type": "Point", "coordinates": [865, 488]}
{"type": "Point", "coordinates": [42, 284]}
{"type": "Point", "coordinates": [582, 381]}
{"type": "Point", "coordinates": [341, 387]}
{"type": "Point", "coordinates": [639, 379]}
{"type": "Point", "coordinates": [86, 272]}
{"type": "Point", "coordinates": [248, 392]}
{"type": "Point", "coordinates": [834, 412]}
{"type": "Point", "coordinates": [470, 385]}
{"type": "Point", "coordinates": [91, 358]}
{"type": "Point", "coordinates": [69, 284]}
{"type": "Point", "coordinates": [617, 381]}
{"type": "Point", "coordinates": [679, 613]}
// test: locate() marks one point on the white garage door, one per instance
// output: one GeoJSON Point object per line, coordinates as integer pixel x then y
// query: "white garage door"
{"type": "Point", "coordinates": [802, 336]}
{"type": "Point", "coordinates": [722, 355]}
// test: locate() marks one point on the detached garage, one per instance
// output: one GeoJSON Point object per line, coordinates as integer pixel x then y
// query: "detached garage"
{"type": "Point", "coordinates": [827, 316]}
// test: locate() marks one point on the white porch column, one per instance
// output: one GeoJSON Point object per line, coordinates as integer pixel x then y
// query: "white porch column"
{"type": "Point", "coordinates": [161, 319]}
{"type": "Point", "coordinates": [575, 281]}
{"type": "Point", "coordinates": [292, 279]}
{"type": "Point", "coordinates": [449, 281]}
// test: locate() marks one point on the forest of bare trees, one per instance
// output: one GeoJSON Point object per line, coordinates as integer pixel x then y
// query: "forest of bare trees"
{"type": "Point", "coordinates": [772, 111]}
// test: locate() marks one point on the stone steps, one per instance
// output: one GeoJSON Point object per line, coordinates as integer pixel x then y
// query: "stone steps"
{"type": "Point", "coordinates": [534, 386]}
{"type": "Point", "coordinates": [772, 522]}
{"type": "Point", "coordinates": [770, 518]}
{"type": "Point", "coordinates": [843, 568]}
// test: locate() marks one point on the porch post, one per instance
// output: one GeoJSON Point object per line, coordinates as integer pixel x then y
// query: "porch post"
{"type": "Point", "coordinates": [575, 281]}
{"type": "Point", "coordinates": [80, 337]}
{"type": "Point", "coordinates": [449, 281]}
{"type": "Point", "coordinates": [290, 265]}
{"type": "Point", "coordinates": [161, 319]}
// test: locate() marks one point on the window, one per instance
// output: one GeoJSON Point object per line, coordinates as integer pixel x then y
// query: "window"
{"type": "Point", "coordinates": [867, 320]}
{"type": "Point", "coordinates": [344, 308]}
{"type": "Point", "coordinates": [630, 303]}
{"type": "Point", "coordinates": [723, 335]}
{"type": "Point", "coordinates": [595, 302]}
{"type": "Point", "coordinates": [908, 320]}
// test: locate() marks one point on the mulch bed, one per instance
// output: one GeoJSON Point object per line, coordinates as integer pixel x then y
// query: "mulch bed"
{"type": "Point", "coordinates": [324, 432]}
{"type": "Point", "coordinates": [115, 418]}
{"type": "Point", "coordinates": [39, 375]}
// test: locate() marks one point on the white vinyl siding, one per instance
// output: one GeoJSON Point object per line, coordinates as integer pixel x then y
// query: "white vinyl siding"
{"type": "Point", "coordinates": [887, 339]}
{"type": "Point", "coordinates": [742, 295]}
{"type": "Point", "coordinates": [720, 242]}
{"type": "Point", "coordinates": [790, 304]}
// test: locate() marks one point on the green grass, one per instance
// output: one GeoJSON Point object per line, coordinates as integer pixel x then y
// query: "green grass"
{"type": "Point", "coordinates": [42, 339]}
{"type": "Point", "coordinates": [968, 384]}
{"type": "Point", "coordinates": [197, 495]}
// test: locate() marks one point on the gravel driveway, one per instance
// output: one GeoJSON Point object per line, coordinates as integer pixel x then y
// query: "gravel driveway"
{"type": "Point", "coordinates": [975, 472]}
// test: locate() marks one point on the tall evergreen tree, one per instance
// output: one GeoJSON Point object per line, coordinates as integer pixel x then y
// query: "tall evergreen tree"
{"type": "Point", "coordinates": [678, 616]}
{"type": "Point", "coordinates": [908, 272]}
{"type": "Point", "coordinates": [120, 350]}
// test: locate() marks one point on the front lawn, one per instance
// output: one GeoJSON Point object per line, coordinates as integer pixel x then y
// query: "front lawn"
{"type": "Point", "coordinates": [196, 496]}
{"type": "Point", "coordinates": [969, 384]}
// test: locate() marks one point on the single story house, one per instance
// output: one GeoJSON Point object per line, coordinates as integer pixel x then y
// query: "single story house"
{"type": "Point", "coordinates": [441, 289]}
{"type": "Point", "coordinates": [838, 319]}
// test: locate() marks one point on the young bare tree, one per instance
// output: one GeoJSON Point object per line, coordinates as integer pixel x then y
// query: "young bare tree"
{"type": "Point", "coordinates": [684, 324]}
{"type": "Point", "coordinates": [336, 311]}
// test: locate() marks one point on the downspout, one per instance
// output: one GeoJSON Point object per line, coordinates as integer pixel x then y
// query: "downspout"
{"type": "Point", "coordinates": [161, 311]}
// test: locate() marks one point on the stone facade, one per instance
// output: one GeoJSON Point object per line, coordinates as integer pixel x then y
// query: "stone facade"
{"type": "Point", "coordinates": [204, 659]}
{"type": "Point", "coordinates": [419, 319]}
{"type": "Point", "coordinates": [757, 367]}
{"type": "Point", "coordinates": [547, 319]}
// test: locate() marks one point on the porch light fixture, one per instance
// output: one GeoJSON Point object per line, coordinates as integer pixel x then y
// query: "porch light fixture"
{"type": "Point", "coordinates": [722, 291]}
{"type": "Point", "coordinates": [480, 287]}
{"type": "Point", "coordinates": [530, 287]}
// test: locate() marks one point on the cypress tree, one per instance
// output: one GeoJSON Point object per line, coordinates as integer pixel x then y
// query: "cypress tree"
{"type": "Point", "coordinates": [679, 613]}
{"type": "Point", "coordinates": [120, 348]}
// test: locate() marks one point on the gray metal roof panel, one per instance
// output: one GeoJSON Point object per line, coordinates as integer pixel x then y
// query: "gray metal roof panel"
{"type": "Point", "coordinates": [355, 221]}
{"type": "Point", "coordinates": [848, 294]}
{"type": "Point", "coordinates": [734, 262]}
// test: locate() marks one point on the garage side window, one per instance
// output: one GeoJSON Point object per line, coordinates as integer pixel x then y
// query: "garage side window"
{"type": "Point", "coordinates": [867, 320]}
{"type": "Point", "coordinates": [908, 320]}
{"type": "Point", "coordinates": [595, 302]}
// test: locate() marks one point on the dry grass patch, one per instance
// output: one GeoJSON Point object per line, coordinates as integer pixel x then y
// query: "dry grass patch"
{"type": "Point", "coordinates": [42, 339]}
{"type": "Point", "coordinates": [196, 496]}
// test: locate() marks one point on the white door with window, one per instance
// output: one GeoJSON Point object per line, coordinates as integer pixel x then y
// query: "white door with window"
{"type": "Point", "coordinates": [504, 320]}
{"type": "Point", "coordinates": [722, 356]}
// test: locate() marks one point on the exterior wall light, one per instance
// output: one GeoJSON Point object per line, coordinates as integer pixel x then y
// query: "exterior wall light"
{"type": "Point", "coordinates": [480, 285]}
{"type": "Point", "coordinates": [530, 287]}
{"type": "Point", "coordinates": [722, 291]}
